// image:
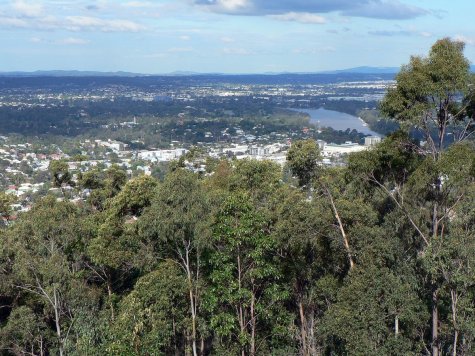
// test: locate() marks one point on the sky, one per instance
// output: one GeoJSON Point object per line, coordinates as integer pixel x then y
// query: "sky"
{"type": "Point", "coordinates": [226, 36]}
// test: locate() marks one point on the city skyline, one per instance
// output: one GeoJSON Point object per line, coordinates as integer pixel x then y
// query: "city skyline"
{"type": "Point", "coordinates": [226, 36]}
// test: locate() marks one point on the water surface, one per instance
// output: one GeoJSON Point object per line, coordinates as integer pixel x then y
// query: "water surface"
{"type": "Point", "coordinates": [337, 120]}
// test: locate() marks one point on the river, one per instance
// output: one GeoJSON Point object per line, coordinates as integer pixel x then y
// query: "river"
{"type": "Point", "coordinates": [337, 120]}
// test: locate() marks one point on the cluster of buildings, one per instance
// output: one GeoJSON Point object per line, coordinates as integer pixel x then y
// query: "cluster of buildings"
{"type": "Point", "coordinates": [24, 172]}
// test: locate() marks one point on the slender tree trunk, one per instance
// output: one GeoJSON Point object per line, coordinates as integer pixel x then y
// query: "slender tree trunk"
{"type": "Point", "coordinates": [454, 300]}
{"type": "Point", "coordinates": [202, 346]}
{"type": "Point", "coordinates": [435, 324]}
{"type": "Point", "coordinates": [253, 325]}
{"type": "Point", "coordinates": [342, 229]}
{"type": "Point", "coordinates": [57, 322]}
{"type": "Point", "coordinates": [188, 343]}
{"type": "Point", "coordinates": [175, 338]}
{"type": "Point", "coordinates": [311, 340]}
{"type": "Point", "coordinates": [396, 326]}
{"type": "Point", "coordinates": [240, 309]}
{"type": "Point", "coordinates": [456, 336]}
{"type": "Point", "coordinates": [192, 305]}
{"type": "Point", "coordinates": [303, 332]}
{"type": "Point", "coordinates": [111, 302]}
{"type": "Point", "coordinates": [41, 346]}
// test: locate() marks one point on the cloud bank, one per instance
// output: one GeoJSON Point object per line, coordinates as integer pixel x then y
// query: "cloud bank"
{"type": "Point", "coordinates": [380, 9]}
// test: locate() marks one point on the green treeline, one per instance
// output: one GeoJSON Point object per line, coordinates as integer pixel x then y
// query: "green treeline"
{"type": "Point", "coordinates": [375, 258]}
{"type": "Point", "coordinates": [339, 261]}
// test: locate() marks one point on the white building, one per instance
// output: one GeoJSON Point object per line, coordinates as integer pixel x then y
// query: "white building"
{"type": "Point", "coordinates": [372, 140]}
{"type": "Point", "coordinates": [162, 155]}
{"type": "Point", "coordinates": [331, 150]}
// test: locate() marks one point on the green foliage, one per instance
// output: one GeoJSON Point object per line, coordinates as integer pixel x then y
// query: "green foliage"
{"type": "Point", "coordinates": [24, 332]}
{"type": "Point", "coordinates": [244, 292]}
{"type": "Point", "coordinates": [303, 157]}
{"type": "Point", "coordinates": [368, 307]}
{"type": "Point", "coordinates": [5, 201]}
{"type": "Point", "coordinates": [152, 318]}
{"type": "Point", "coordinates": [60, 174]}
{"type": "Point", "coordinates": [427, 90]}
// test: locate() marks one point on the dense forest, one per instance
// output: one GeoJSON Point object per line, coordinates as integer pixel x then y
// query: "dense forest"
{"type": "Point", "coordinates": [375, 258]}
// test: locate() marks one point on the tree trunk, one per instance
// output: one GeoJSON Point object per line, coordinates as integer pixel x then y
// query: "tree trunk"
{"type": "Point", "coordinates": [312, 346]}
{"type": "Point", "coordinates": [109, 293]}
{"type": "Point", "coordinates": [240, 309]}
{"type": "Point", "coordinates": [396, 326]}
{"type": "Point", "coordinates": [57, 322]}
{"type": "Point", "coordinates": [202, 346]}
{"type": "Point", "coordinates": [192, 305]}
{"type": "Point", "coordinates": [342, 230]}
{"type": "Point", "coordinates": [454, 300]}
{"type": "Point", "coordinates": [435, 324]}
{"type": "Point", "coordinates": [303, 332]}
{"type": "Point", "coordinates": [253, 325]}
{"type": "Point", "coordinates": [187, 343]}
{"type": "Point", "coordinates": [456, 336]}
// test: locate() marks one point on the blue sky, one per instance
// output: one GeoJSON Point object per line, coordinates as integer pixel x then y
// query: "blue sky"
{"type": "Point", "coordinates": [229, 36]}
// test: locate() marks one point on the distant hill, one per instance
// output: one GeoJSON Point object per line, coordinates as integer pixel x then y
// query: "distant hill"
{"type": "Point", "coordinates": [366, 70]}
{"type": "Point", "coordinates": [70, 73]}
{"type": "Point", "coordinates": [358, 71]}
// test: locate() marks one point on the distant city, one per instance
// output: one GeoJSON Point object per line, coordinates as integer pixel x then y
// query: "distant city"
{"type": "Point", "coordinates": [142, 124]}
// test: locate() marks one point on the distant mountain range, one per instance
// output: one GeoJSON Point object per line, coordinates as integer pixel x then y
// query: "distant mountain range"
{"type": "Point", "coordinates": [366, 70]}
{"type": "Point", "coordinates": [78, 73]}
{"type": "Point", "coordinates": [70, 73]}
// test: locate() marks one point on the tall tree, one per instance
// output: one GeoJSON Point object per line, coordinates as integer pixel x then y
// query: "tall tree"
{"type": "Point", "coordinates": [303, 159]}
{"type": "Point", "coordinates": [175, 225]}
{"type": "Point", "coordinates": [429, 94]}
{"type": "Point", "coordinates": [47, 267]}
{"type": "Point", "coordinates": [60, 174]}
{"type": "Point", "coordinates": [244, 294]}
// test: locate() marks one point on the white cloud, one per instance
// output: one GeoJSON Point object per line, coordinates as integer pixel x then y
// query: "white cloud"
{"type": "Point", "coordinates": [36, 40]}
{"type": "Point", "coordinates": [316, 50]}
{"type": "Point", "coordinates": [63, 41]}
{"type": "Point", "coordinates": [302, 17]}
{"type": "Point", "coordinates": [237, 51]}
{"type": "Point", "coordinates": [30, 9]}
{"type": "Point", "coordinates": [467, 40]}
{"type": "Point", "coordinates": [227, 39]}
{"type": "Point", "coordinates": [408, 32]}
{"type": "Point", "coordinates": [180, 49]}
{"type": "Point", "coordinates": [70, 23]}
{"type": "Point", "coordinates": [138, 4]}
{"type": "Point", "coordinates": [72, 41]}
{"type": "Point", "coordinates": [233, 5]}
{"type": "Point", "coordinates": [87, 23]}
{"type": "Point", "coordinates": [13, 22]}
{"type": "Point", "coordinates": [185, 38]}
{"type": "Point", "coordinates": [381, 9]}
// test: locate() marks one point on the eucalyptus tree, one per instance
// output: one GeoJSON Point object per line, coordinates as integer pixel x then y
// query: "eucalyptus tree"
{"type": "Point", "coordinates": [60, 174]}
{"type": "Point", "coordinates": [427, 195]}
{"type": "Point", "coordinates": [246, 293]}
{"type": "Point", "coordinates": [113, 251]}
{"type": "Point", "coordinates": [46, 271]}
{"type": "Point", "coordinates": [303, 157]}
{"type": "Point", "coordinates": [176, 226]}
{"type": "Point", "coordinates": [301, 229]}
{"type": "Point", "coordinates": [433, 93]}
{"type": "Point", "coordinates": [152, 318]}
